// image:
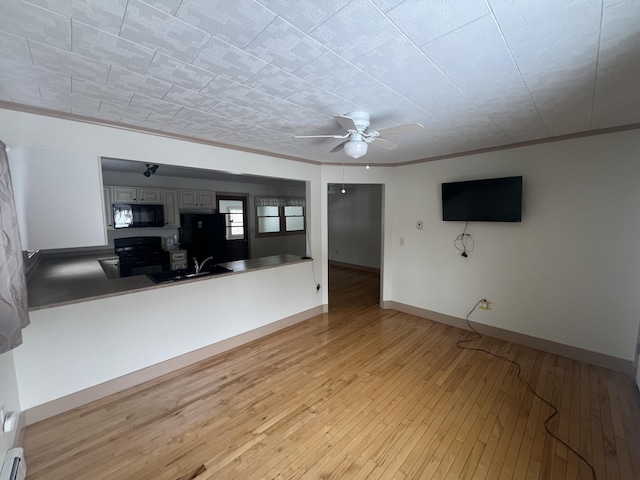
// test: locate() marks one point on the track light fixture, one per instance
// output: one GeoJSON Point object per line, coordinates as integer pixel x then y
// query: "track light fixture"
{"type": "Point", "coordinates": [150, 170]}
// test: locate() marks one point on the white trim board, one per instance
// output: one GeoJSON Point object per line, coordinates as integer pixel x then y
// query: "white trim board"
{"type": "Point", "coordinates": [574, 353]}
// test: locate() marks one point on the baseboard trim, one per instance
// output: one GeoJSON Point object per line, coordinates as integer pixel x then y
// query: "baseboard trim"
{"type": "Point", "coordinates": [353, 266]}
{"type": "Point", "coordinates": [82, 397]}
{"type": "Point", "coordinates": [575, 353]}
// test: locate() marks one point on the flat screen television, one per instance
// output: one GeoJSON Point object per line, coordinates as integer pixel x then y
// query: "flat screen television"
{"type": "Point", "coordinates": [490, 200]}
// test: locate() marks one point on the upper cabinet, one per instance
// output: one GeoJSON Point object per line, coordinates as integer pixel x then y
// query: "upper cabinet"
{"type": "Point", "coordinates": [59, 199]}
{"type": "Point", "coordinates": [137, 195]}
{"type": "Point", "coordinates": [171, 211]}
{"type": "Point", "coordinates": [197, 199]}
{"type": "Point", "coordinates": [172, 201]}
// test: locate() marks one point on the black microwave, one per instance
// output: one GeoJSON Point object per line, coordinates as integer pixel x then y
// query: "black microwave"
{"type": "Point", "coordinates": [132, 215]}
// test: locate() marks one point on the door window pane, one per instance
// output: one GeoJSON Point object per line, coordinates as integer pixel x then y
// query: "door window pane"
{"type": "Point", "coordinates": [234, 218]}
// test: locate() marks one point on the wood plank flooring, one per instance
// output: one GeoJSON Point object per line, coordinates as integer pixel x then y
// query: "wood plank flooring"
{"type": "Point", "coordinates": [358, 393]}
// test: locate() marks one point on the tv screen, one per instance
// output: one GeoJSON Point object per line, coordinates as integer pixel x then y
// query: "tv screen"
{"type": "Point", "coordinates": [490, 200]}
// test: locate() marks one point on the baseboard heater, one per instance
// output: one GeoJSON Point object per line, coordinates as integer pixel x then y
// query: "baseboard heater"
{"type": "Point", "coordinates": [14, 466]}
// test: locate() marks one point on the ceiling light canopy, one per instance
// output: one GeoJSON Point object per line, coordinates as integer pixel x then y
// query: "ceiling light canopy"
{"type": "Point", "coordinates": [355, 148]}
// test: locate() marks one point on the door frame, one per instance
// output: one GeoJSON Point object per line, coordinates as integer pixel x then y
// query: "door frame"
{"type": "Point", "coordinates": [382, 229]}
{"type": "Point", "coordinates": [244, 197]}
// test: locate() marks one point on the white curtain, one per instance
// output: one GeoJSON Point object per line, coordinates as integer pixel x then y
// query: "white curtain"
{"type": "Point", "coordinates": [14, 310]}
{"type": "Point", "coordinates": [270, 201]}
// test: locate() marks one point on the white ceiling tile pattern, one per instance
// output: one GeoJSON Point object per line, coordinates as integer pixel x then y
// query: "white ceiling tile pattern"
{"type": "Point", "coordinates": [425, 21]}
{"type": "Point", "coordinates": [100, 91]}
{"type": "Point", "coordinates": [178, 73]}
{"type": "Point", "coordinates": [33, 22]}
{"type": "Point", "coordinates": [228, 61]}
{"type": "Point", "coordinates": [169, 6]}
{"type": "Point", "coordinates": [284, 46]}
{"type": "Point", "coordinates": [104, 47]}
{"type": "Point", "coordinates": [106, 15]}
{"type": "Point", "coordinates": [306, 15]}
{"type": "Point", "coordinates": [62, 61]}
{"type": "Point", "coordinates": [15, 48]}
{"type": "Point", "coordinates": [137, 83]}
{"type": "Point", "coordinates": [237, 22]}
{"type": "Point", "coordinates": [154, 28]}
{"type": "Point", "coordinates": [189, 98]}
{"type": "Point", "coordinates": [254, 73]}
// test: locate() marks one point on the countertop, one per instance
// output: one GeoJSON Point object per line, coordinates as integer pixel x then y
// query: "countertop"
{"type": "Point", "coordinates": [61, 280]}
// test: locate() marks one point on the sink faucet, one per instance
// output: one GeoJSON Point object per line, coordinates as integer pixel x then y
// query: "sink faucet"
{"type": "Point", "coordinates": [200, 265]}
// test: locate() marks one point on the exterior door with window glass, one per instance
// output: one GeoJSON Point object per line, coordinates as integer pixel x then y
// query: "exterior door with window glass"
{"type": "Point", "coordinates": [234, 208]}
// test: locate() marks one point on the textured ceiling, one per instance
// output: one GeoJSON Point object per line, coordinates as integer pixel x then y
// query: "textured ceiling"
{"type": "Point", "coordinates": [253, 73]}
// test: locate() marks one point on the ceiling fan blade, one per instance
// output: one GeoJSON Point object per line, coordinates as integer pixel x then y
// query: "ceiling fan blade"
{"type": "Point", "coordinates": [410, 128]}
{"type": "Point", "coordinates": [346, 122]}
{"type": "Point", "coordinates": [385, 144]}
{"type": "Point", "coordinates": [321, 136]}
{"type": "Point", "coordinates": [338, 148]}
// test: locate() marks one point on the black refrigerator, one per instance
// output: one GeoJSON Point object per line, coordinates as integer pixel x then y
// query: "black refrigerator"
{"type": "Point", "coordinates": [203, 235]}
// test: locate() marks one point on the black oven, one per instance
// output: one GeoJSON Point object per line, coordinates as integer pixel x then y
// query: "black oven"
{"type": "Point", "coordinates": [141, 255]}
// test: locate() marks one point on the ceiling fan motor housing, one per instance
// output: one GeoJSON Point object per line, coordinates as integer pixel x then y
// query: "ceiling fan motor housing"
{"type": "Point", "coordinates": [361, 119]}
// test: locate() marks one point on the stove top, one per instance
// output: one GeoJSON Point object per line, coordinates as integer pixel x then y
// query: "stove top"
{"type": "Point", "coordinates": [139, 247]}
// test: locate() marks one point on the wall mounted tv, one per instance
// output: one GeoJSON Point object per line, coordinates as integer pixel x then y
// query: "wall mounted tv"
{"type": "Point", "coordinates": [490, 200]}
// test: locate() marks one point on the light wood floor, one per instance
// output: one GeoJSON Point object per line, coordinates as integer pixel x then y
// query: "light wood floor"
{"type": "Point", "coordinates": [359, 393]}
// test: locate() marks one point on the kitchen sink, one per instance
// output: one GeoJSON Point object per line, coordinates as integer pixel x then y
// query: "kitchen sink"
{"type": "Point", "coordinates": [187, 274]}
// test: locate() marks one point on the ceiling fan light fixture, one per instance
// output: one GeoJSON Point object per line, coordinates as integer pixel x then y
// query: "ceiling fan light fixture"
{"type": "Point", "coordinates": [355, 148]}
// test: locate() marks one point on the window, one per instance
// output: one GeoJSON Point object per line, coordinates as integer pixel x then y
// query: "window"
{"type": "Point", "coordinates": [293, 219]}
{"type": "Point", "coordinates": [279, 216]}
{"type": "Point", "coordinates": [268, 219]}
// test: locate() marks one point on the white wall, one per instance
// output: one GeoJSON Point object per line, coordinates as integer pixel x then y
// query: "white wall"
{"type": "Point", "coordinates": [8, 399]}
{"type": "Point", "coordinates": [570, 272]}
{"type": "Point", "coordinates": [70, 348]}
{"type": "Point", "coordinates": [355, 223]}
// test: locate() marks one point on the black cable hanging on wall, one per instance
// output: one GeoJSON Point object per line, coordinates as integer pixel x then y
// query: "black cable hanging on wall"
{"type": "Point", "coordinates": [464, 242]}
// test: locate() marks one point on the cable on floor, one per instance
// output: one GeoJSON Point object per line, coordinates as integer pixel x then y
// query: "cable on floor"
{"type": "Point", "coordinates": [553, 407]}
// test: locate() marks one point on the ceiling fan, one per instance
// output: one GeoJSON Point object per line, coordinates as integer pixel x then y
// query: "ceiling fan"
{"type": "Point", "coordinates": [359, 136]}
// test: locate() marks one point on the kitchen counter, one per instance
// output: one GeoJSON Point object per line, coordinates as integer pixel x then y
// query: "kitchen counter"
{"type": "Point", "coordinates": [61, 280]}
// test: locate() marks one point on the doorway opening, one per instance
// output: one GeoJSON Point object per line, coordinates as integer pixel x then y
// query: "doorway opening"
{"type": "Point", "coordinates": [355, 243]}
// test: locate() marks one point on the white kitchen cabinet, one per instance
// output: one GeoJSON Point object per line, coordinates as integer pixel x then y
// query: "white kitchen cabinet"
{"type": "Point", "coordinates": [59, 199]}
{"type": "Point", "coordinates": [171, 210]}
{"type": "Point", "coordinates": [136, 195]}
{"type": "Point", "coordinates": [108, 207]}
{"type": "Point", "coordinates": [197, 199]}
{"type": "Point", "coordinates": [178, 259]}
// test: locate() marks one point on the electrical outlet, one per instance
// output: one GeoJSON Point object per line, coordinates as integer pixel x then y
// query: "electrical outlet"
{"type": "Point", "coordinates": [419, 225]}
{"type": "Point", "coordinates": [401, 241]}
{"type": "Point", "coordinates": [485, 305]}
